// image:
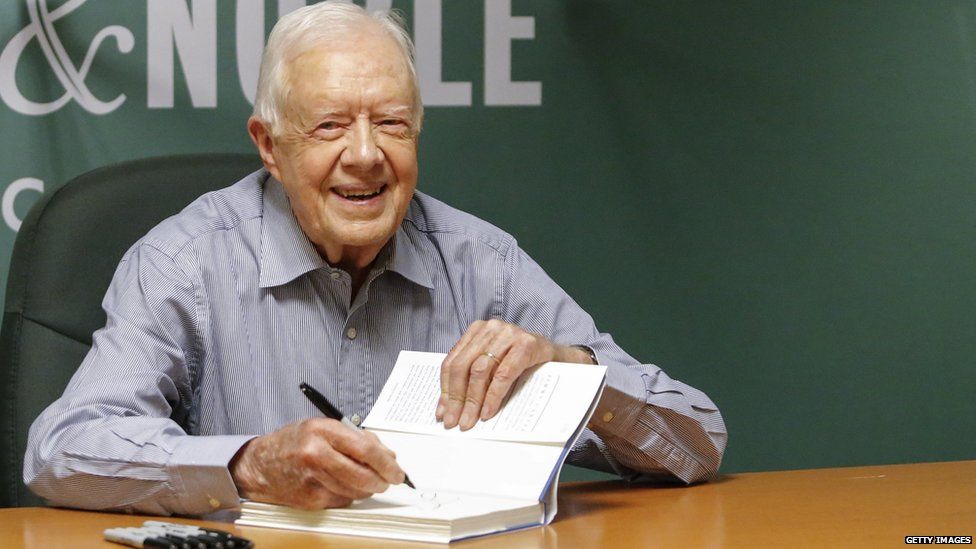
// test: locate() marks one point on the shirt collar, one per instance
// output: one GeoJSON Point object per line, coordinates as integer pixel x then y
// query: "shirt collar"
{"type": "Point", "coordinates": [286, 253]}
{"type": "Point", "coordinates": [407, 261]}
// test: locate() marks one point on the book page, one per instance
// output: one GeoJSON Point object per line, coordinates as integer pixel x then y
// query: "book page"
{"type": "Point", "coordinates": [545, 405]}
{"type": "Point", "coordinates": [401, 501]}
{"type": "Point", "coordinates": [474, 466]}
{"type": "Point", "coordinates": [403, 514]}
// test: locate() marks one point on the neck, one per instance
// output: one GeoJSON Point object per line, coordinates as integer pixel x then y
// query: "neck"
{"type": "Point", "coordinates": [357, 261]}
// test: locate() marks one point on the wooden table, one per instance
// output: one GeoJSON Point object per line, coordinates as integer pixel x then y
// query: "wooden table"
{"type": "Point", "coordinates": [845, 507]}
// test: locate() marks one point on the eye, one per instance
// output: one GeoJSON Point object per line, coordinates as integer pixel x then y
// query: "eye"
{"type": "Point", "coordinates": [329, 125]}
{"type": "Point", "coordinates": [394, 126]}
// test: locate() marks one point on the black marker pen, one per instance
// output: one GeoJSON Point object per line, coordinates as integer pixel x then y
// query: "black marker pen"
{"type": "Point", "coordinates": [229, 540]}
{"type": "Point", "coordinates": [187, 541]}
{"type": "Point", "coordinates": [137, 537]}
{"type": "Point", "coordinates": [330, 411]}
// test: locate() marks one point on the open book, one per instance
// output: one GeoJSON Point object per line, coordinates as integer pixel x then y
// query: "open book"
{"type": "Point", "coordinates": [500, 475]}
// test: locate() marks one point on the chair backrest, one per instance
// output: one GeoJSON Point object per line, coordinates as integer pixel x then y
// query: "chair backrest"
{"type": "Point", "coordinates": [63, 259]}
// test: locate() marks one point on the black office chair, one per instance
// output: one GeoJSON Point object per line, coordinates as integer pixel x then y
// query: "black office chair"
{"type": "Point", "coordinates": [63, 259]}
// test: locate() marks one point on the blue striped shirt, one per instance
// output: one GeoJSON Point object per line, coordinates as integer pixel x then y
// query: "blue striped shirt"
{"type": "Point", "coordinates": [218, 313]}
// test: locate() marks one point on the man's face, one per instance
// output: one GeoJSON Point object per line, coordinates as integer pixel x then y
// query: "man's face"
{"type": "Point", "coordinates": [347, 153]}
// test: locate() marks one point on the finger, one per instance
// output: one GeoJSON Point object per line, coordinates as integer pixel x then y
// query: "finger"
{"type": "Point", "coordinates": [460, 371]}
{"type": "Point", "coordinates": [377, 440]}
{"type": "Point", "coordinates": [516, 361]}
{"type": "Point", "coordinates": [309, 494]}
{"type": "Point", "coordinates": [478, 380]}
{"type": "Point", "coordinates": [322, 484]}
{"type": "Point", "coordinates": [365, 449]}
{"type": "Point", "coordinates": [341, 452]}
{"type": "Point", "coordinates": [474, 329]}
{"type": "Point", "coordinates": [318, 463]}
{"type": "Point", "coordinates": [352, 475]}
{"type": "Point", "coordinates": [495, 335]}
{"type": "Point", "coordinates": [323, 499]}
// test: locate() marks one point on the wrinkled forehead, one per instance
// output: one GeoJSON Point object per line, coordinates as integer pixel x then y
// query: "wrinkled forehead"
{"type": "Point", "coordinates": [368, 66]}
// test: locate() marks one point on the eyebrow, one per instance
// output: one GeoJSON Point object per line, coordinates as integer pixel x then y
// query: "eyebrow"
{"type": "Point", "coordinates": [398, 110]}
{"type": "Point", "coordinates": [326, 113]}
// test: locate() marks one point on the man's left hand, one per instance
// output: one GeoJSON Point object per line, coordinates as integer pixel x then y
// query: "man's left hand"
{"type": "Point", "coordinates": [485, 363]}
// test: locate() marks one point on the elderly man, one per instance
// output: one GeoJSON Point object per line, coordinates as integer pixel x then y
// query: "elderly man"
{"type": "Point", "coordinates": [320, 268]}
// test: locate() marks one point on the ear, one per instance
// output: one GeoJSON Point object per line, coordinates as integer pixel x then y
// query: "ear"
{"type": "Point", "coordinates": [261, 136]}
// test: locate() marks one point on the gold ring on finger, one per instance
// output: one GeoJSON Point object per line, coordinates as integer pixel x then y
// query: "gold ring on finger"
{"type": "Point", "coordinates": [493, 357]}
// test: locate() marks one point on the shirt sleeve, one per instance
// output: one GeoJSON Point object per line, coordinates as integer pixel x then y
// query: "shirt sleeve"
{"type": "Point", "coordinates": [117, 438]}
{"type": "Point", "coordinates": [647, 426]}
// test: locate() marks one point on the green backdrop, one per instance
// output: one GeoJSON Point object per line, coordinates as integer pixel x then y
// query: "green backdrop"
{"type": "Point", "coordinates": [774, 201]}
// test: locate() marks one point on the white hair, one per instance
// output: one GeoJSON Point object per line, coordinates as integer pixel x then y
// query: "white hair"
{"type": "Point", "coordinates": [302, 29]}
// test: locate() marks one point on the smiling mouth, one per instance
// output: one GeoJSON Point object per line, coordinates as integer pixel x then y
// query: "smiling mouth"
{"type": "Point", "coordinates": [359, 196]}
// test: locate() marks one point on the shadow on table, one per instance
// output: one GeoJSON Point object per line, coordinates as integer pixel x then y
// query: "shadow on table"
{"type": "Point", "coordinates": [582, 498]}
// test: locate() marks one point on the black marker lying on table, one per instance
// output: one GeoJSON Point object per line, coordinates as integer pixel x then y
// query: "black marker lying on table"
{"type": "Point", "coordinates": [142, 537]}
{"type": "Point", "coordinates": [330, 411]}
{"type": "Point", "coordinates": [188, 530]}
{"type": "Point", "coordinates": [155, 534]}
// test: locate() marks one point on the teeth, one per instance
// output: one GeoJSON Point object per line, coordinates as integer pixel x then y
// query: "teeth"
{"type": "Point", "coordinates": [360, 196]}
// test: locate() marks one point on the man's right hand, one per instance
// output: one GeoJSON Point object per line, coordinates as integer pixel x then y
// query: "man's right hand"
{"type": "Point", "coordinates": [314, 464]}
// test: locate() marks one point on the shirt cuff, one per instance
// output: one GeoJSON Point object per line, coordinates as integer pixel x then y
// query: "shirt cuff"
{"type": "Point", "coordinates": [622, 401]}
{"type": "Point", "coordinates": [199, 470]}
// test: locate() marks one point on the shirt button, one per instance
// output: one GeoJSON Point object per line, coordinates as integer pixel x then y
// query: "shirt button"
{"type": "Point", "coordinates": [335, 275]}
{"type": "Point", "coordinates": [355, 419]}
{"type": "Point", "coordinates": [608, 417]}
{"type": "Point", "coordinates": [214, 502]}
{"type": "Point", "coordinates": [351, 333]}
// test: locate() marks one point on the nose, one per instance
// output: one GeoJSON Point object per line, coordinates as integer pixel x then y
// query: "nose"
{"type": "Point", "coordinates": [362, 152]}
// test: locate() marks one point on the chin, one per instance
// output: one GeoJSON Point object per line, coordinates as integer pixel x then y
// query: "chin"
{"type": "Point", "coordinates": [378, 236]}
